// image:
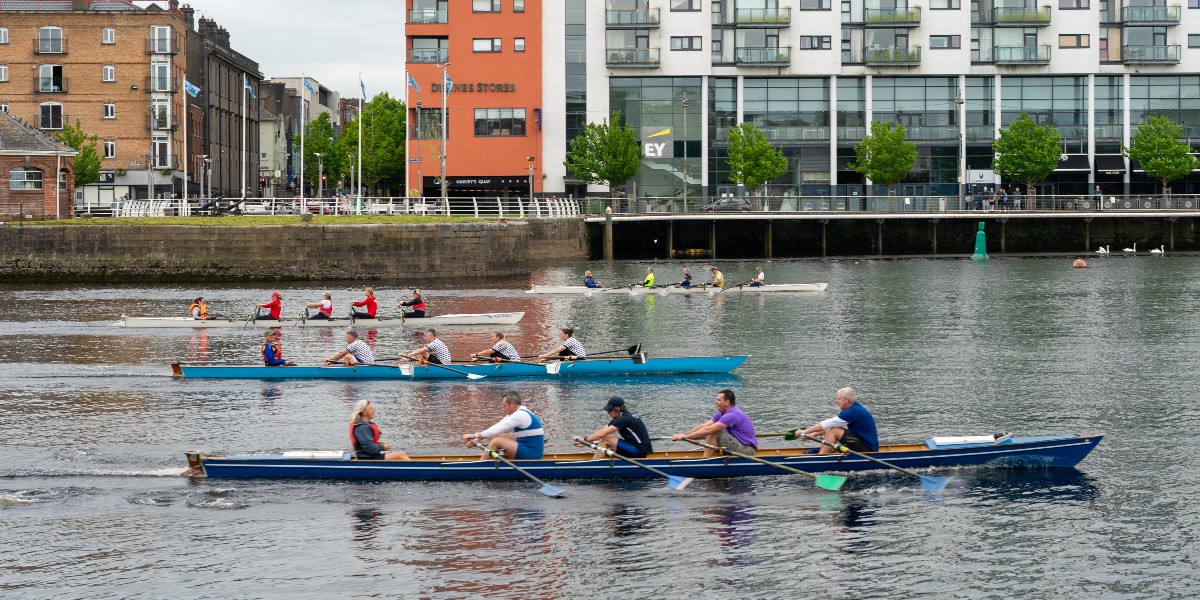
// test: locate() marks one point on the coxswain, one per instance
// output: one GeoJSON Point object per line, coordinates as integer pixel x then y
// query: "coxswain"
{"type": "Point", "coordinates": [417, 302]}
{"type": "Point", "coordinates": [853, 426]}
{"type": "Point", "coordinates": [272, 354]}
{"type": "Point", "coordinates": [198, 309]}
{"type": "Point", "coordinates": [500, 349]}
{"type": "Point", "coordinates": [570, 347]}
{"type": "Point", "coordinates": [729, 428]}
{"type": "Point", "coordinates": [275, 306]}
{"type": "Point", "coordinates": [519, 435]}
{"type": "Point", "coordinates": [364, 435]}
{"type": "Point", "coordinates": [649, 280]}
{"type": "Point", "coordinates": [324, 308]}
{"type": "Point", "coordinates": [356, 351]}
{"type": "Point", "coordinates": [687, 278]}
{"type": "Point", "coordinates": [625, 433]}
{"type": "Point", "coordinates": [718, 278]}
{"type": "Point", "coordinates": [589, 281]}
{"type": "Point", "coordinates": [759, 278]}
{"type": "Point", "coordinates": [434, 351]}
{"type": "Point", "coordinates": [369, 303]}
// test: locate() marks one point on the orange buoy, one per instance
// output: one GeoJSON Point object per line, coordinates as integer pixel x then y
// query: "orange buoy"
{"type": "Point", "coordinates": [1079, 264]}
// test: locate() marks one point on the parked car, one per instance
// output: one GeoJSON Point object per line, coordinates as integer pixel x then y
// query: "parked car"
{"type": "Point", "coordinates": [727, 204]}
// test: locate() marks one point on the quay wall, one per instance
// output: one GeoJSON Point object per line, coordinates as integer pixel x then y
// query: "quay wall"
{"type": "Point", "coordinates": [302, 252]}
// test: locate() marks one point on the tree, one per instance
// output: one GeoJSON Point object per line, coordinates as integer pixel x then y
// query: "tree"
{"type": "Point", "coordinates": [319, 138]}
{"type": "Point", "coordinates": [1157, 149]}
{"type": "Point", "coordinates": [605, 152]}
{"type": "Point", "coordinates": [383, 150]}
{"type": "Point", "coordinates": [883, 156]}
{"type": "Point", "coordinates": [753, 161]}
{"type": "Point", "coordinates": [87, 162]}
{"type": "Point", "coordinates": [1026, 152]}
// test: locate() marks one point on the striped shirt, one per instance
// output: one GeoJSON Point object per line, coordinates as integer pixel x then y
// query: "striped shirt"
{"type": "Point", "coordinates": [361, 352]}
{"type": "Point", "coordinates": [439, 351]}
{"type": "Point", "coordinates": [506, 349]}
{"type": "Point", "coordinates": [574, 347]}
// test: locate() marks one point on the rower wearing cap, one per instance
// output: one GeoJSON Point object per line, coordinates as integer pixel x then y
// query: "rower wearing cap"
{"type": "Point", "coordinates": [718, 278]}
{"type": "Point", "coordinates": [272, 354]}
{"type": "Point", "coordinates": [198, 309]}
{"type": "Point", "coordinates": [369, 303]}
{"type": "Point", "coordinates": [324, 307]}
{"type": "Point", "coordinates": [500, 349]}
{"type": "Point", "coordinates": [275, 306]}
{"type": "Point", "coordinates": [433, 351]}
{"type": "Point", "coordinates": [634, 438]}
{"type": "Point", "coordinates": [687, 278]}
{"type": "Point", "coordinates": [417, 302]}
{"type": "Point", "coordinates": [759, 278]}
{"type": "Point", "coordinates": [649, 280]}
{"type": "Point", "coordinates": [570, 348]}
{"type": "Point", "coordinates": [589, 281]}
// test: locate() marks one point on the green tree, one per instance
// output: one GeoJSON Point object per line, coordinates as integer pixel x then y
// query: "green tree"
{"type": "Point", "coordinates": [1026, 152]}
{"type": "Point", "coordinates": [753, 161]}
{"type": "Point", "coordinates": [1157, 148]}
{"type": "Point", "coordinates": [605, 152]}
{"type": "Point", "coordinates": [883, 156]}
{"type": "Point", "coordinates": [383, 150]}
{"type": "Point", "coordinates": [319, 138]}
{"type": "Point", "coordinates": [87, 162]}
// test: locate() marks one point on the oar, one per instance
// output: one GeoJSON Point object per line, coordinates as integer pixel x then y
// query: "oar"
{"type": "Point", "coordinates": [253, 317]}
{"type": "Point", "coordinates": [827, 482]}
{"type": "Point", "coordinates": [301, 317]}
{"type": "Point", "coordinates": [634, 349]}
{"type": "Point", "coordinates": [546, 489]}
{"type": "Point", "coordinates": [731, 286]}
{"type": "Point", "coordinates": [615, 287]}
{"type": "Point", "coordinates": [674, 482]}
{"type": "Point", "coordinates": [929, 483]}
{"type": "Point", "coordinates": [433, 364]}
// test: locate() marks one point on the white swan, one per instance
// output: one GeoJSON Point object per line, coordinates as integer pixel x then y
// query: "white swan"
{"type": "Point", "coordinates": [1133, 249]}
{"type": "Point", "coordinates": [1158, 250]}
{"type": "Point", "coordinates": [1102, 250]}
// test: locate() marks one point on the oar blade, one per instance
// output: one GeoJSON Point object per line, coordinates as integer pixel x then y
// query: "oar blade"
{"type": "Point", "coordinates": [933, 485]}
{"type": "Point", "coordinates": [677, 483]}
{"type": "Point", "coordinates": [832, 483]}
{"type": "Point", "coordinates": [553, 368]}
{"type": "Point", "coordinates": [475, 376]}
{"type": "Point", "coordinates": [552, 491]}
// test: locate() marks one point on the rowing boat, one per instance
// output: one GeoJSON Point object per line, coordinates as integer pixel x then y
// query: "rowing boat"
{"type": "Point", "coordinates": [638, 365]}
{"type": "Point", "coordinates": [507, 318]}
{"type": "Point", "coordinates": [1009, 452]}
{"type": "Point", "coordinates": [637, 290]}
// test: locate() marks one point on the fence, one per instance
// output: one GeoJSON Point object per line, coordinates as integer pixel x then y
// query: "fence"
{"type": "Point", "coordinates": [890, 205]}
{"type": "Point", "coordinates": [478, 207]}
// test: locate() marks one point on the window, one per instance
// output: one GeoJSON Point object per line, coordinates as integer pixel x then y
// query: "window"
{"type": "Point", "coordinates": [4, 108]}
{"type": "Point", "coordinates": [518, 44]}
{"type": "Point", "coordinates": [3, 72]}
{"type": "Point", "coordinates": [685, 5]}
{"type": "Point", "coordinates": [816, 42]}
{"type": "Point", "coordinates": [162, 154]}
{"type": "Point", "coordinates": [50, 40]}
{"type": "Point", "coordinates": [518, 6]}
{"type": "Point", "coordinates": [160, 76]}
{"type": "Point", "coordinates": [1193, 40]}
{"type": "Point", "coordinates": [160, 39]}
{"type": "Point", "coordinates": [499, 122]}
{"type": "Point", "coordinates": [4, 34]}
{"type": "Point", "coordinates": [52, 116]}
{"type": "Point", "coordinates": [686, 42]}
{"type": "Point", "coordinates": [108, 36]}
{"type": "Point", "coordinates": [110, 110]}
{"type": "Point", "coordinates": [108, 73]}
{"type": "Point", "coordinates": [815, 4]}
{"type": "Point", "coordinates": [62, 178]}
{"type": "Point", "coordinates": [944, 4]}
{"type": "Point", "coordinates": [25, 178]}
{"type": "Point", "coordinates": [110, 149]}
{"type": "Point", "coordinates": [1079, 40]}
{"type": "Point", "coordinates": [485, 5]}
{"type": "Point", "coordinates": [50, 79]}
{"type": "Point", "coordinates": [486, 44]}
{"type": "Point", "coordinates": [945, 41]}
{"type": "Point", "coordinates": [1073, 4]}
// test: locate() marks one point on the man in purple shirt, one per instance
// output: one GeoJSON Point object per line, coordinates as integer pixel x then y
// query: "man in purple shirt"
{"type": "Point", "coordinates": [729, 428]}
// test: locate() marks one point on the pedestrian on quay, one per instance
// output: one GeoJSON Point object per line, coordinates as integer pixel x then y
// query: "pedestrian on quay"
{"type": "Point", "coordinates": [1016, 199]}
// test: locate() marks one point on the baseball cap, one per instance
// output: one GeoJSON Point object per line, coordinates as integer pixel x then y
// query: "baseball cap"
{"type": "Point", "coordinates": [273, 294]}
{"type": "Point", "coordinates": [614, 403]}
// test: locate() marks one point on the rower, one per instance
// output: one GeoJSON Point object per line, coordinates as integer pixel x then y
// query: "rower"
{"type": "Point", "coordinates": [588, 281]}
{"type": "Point", "coordinates": [417, 302]}
{"type": "Point", "coordinates": [325, 308]}
{"type": "Point", "coordinates": [357, 352]}
{"type": "Point", "coordinates": [434, 351]}
{"type": "Point", "coordinates": [364, 435]}
{"type": "Point", "coordinates": [198, 309]}
{"type": "Point", "coordinates": [519, 434]}
{"type": "Point", "coordinates": [634, 440]}
{"type": "Point", "coordinates": [853, 427]}
{"type": "Point", "coordinates": [729, 428]}
{"type": "Point", "coordinates": [687, 278]}
{"type": "Point", "coordinates": [272, 354]}
{"type": "Point", "coordinates": [570, 348]}
{"type": "Point", "coordinates": [649, 280]}
{"type": "Point", "coordinates": [759, 278]}
{"type": "Point", "coordinates": [275, 306]}
{"type": "Point", "coordinates": [718, 278]}
{"type": "Point", "coordinates": [500, 349]}
{"type": "Point", "coordinates": [368, 302]}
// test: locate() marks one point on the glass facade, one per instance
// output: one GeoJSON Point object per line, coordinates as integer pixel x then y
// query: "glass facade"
{"type": "Point", "coordinates": [1058, 101]}
{"type": "Point", "coordinates": [1176, 97]}
{"type": "Point", "coordinates": [658, 103]}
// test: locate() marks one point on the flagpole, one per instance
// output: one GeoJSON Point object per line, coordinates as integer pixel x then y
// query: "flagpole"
{"type": "Point", "coordinates": [303, 122]}
{"type": "Point", "coordinates": [360, 152]}
{"type": "Point", "coordinates": [406, 130]}
{"type": "Point", "coordinates": [187, 158]}
{"type": "Point", "coordinates": [245, 87]}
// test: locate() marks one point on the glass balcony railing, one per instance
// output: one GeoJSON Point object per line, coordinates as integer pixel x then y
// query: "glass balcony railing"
{"type": "Point", "coordinates": [1150, 54]}
{"type": "Point", "coordinates": [893, 56]}
{"type": "Point", "coordinates": [782, 133]}
{"type": "Point", "coordinates": [426, 16]}
{"type": "Point", "coordinates": [767, 17]}
{"type": "Point", "coordinates": [767, 56]}
{"type": "Point", "coordinates": [641, 18]}
{"type": "Point", "coordinates": [631, 57]}
{"type": "Point", "coordinates": [890, 17]}
{"type": "Point", "coordinates": [1151, 15]}
{"type": "Point", "coordinates": [1017, 55]}
{"type": "Point", "coordinates": [429, 55]}
{"type": "Point", "coordinates": [1021, 16]}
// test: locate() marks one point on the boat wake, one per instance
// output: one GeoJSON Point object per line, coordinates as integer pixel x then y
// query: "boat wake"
{"type": "Point", "coordinates": [18, 473]}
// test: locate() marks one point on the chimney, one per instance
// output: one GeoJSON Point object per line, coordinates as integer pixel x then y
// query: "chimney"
{"type": "Point", "coordinates": [223, 37]}
{"type": "Point", "coordinates": [79, 5]}
{"type": "Point", "coordinates": [189, 15]}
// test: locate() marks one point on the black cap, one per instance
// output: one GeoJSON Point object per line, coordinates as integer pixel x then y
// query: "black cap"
{"type": "Point", "coordinates": [614, 403]}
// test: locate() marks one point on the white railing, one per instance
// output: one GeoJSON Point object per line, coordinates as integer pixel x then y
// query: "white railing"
{"type": "Point", "coordinates": [929, 203]}
{"type": "Point", "coordinates": [475, 207]}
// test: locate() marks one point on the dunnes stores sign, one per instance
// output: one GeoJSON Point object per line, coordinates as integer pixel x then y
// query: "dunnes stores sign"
{"type": "Point", "coordinates": [481, 86]}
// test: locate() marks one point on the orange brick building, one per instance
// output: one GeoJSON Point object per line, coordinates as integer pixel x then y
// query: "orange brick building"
{"type": "Point", "coordinates": [29, 159]}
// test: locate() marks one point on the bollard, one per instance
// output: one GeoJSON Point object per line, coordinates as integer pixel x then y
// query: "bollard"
{"type": "Point", "coordinates": [608, 234]}
{"type": "Point", "coordinates": [980, 245]}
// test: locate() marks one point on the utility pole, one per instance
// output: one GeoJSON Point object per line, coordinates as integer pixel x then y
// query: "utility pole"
{"type": "Point", "coordinates": [320, 175]}
{"type": "Point", "coordinates": [445, 94]}
{"type": "Point", "coordinates": [685, 157]}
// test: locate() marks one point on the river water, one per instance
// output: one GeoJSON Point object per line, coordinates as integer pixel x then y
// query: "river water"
{"type": "Point", "coordinates": [93, 431]}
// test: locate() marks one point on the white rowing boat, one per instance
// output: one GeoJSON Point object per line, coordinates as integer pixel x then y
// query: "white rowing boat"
{"type": "Point", "coordinates": [637, 290]}
{"type": "Point", "coordinates": [508, 318]}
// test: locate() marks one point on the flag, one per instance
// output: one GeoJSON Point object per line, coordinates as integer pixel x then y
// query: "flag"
{"type": "Point", "coordinates": [363, 86]}
{"type": "Point", "coordinates": [246, 83]}
{"type": "Point", "coordinates": [190, 88]}
{"type": "Point", "coordinates": [412, 83]}
{"type": "Point", "coordinates": [449, 84]}
{"type": "Point", "coordinates": [308, 86]}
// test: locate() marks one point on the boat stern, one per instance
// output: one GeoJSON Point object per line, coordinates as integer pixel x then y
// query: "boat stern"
{"type": "Point", "coordinates": [176, 371]}
{"type": "Point", "coordinates": [195, 465]}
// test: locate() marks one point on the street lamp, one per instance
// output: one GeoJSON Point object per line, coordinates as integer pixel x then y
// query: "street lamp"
{"type": "Point", "coordinates": [530, 159]}
{"type": "Point", "coordinates": [962, 153]}
{"type": "Point", "coordinates": [445, 94]}
{"type": "Point", "coordinates": [685, 165]}
{"type": "Point", "coordinates": [203, 159]}
{"type": "Point", "coordinates": [208, 176]}
{"type": "Point", "coordinates": [320, 174]}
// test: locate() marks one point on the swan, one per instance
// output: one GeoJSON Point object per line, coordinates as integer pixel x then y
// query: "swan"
{"type": "Point", "coordinates": [1133, 249]}
{"type": "Point", "coordinates": [1158, 250]}
{"type": "Point", "coordinates": [1102, 250]}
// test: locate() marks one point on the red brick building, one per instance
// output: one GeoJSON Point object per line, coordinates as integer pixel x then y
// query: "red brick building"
{"type": "Point", "coordinates": [30, 160]}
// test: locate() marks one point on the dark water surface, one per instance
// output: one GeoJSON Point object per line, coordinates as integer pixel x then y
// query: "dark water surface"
{"type": "Point", "coordinates": [93, 430]}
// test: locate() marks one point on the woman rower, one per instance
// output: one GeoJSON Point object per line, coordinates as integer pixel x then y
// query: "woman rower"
{"type": "Point", "coordinates": [417, 302]}
{"type": "Point", "coordinates": [364, 435]}
{"type": "Point", "coordinates": [368, 302]}
{"type": "Point", "coordinates": [198, 309]}
{"type": "Point", "coordinates": [324, 308]}
{"type": "Point", "coordinates": [272, 353]}
{"type": "Point", "coordinates": [570, 348]}
{"type": "Point", "coordinates": [273, 307]}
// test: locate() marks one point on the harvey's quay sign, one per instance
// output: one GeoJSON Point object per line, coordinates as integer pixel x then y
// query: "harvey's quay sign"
{"type": "Point", "coordinates": [481, 86]}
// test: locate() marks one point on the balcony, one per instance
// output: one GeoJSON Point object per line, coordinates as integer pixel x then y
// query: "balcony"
{"type": "Point", "coordinates": [763, 17]}
{"type": "Point", "coordinates": [162, 46]}
{"type": "Point", "coordinates": [634, 18]}
{"type": "Point", "coordinates": [50, 85]}
{"type": "Point", "coordinates": [893, 56]}
{"type": "Point", "coordinates": [426, 16]}
{"type": "Point", "coordinates": [1020, 17]}
{"type": "Point", "coordinates": [777, 56]}
{"type": "Point", "coordinates": [632, 57]}
{"type": "Point", "coordinates": [1151, 15]}
{"type": "Point", "coordinates": [41, 46]}
{"type": "Point", "coordinates": [1150, 54]}
{"type": "Point", "coordinates": [52, 121]}
{"type": "Point", "coordinates": [892, 17]}
{"type": "Point", "coordinates": [1021, 55]}
{"type": "Point", "coordinates": [165, 85]}
{"type": "Point", "coordinates": [429, 55]}
{"type": "Point", "coordinates": [158, 123]}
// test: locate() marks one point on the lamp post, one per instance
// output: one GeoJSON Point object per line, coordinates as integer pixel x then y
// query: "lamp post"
{"type": "Point", "coordinates": [320, 175]}
{"type": "Point", "coordinates": [962, 153]}
{"type": "Point", "coordinates": [445, 95]}
{"type": "Point", "coordinates": [685, 156]}
{"type": "Point", "coordinates": [207, 177]}
{"type": "Point", "coordinates": [530, 159]}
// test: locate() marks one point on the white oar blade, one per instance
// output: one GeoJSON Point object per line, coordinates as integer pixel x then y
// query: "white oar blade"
{"type": "Point", "coordinates": [553, 368]}
{"type": "Point", "coordinates": [551, 491]}
{"type": "Point", "coordinates": [932, 484]}
{"type": "Point", "coordinates": [475, 376]}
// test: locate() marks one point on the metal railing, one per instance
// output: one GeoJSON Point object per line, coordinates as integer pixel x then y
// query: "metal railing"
{"type": "Point", "coordinates": [1009, 55]}
{"type": "Point", "coordinates": [162, 46]}
{"type": "Point", "coordinates": [631, 17]}
{"type": "Point", "coordinates": [767, 17]}
{"type": "Point", "coordinates": [49, 46]}
{"type": "Point", "coordinates": [1021, 16]}
{"type": "Point", "coordinates": [910, 16]}
{"type": "Point", "coordinates": [483, 207]}
{"type": "Point", "coordinates": [161, 84]}
{"type": "Point", "coordinates": [427, 16]}
{"type": "Point", "coordinates": [1151, 15]}
{"type": "Point", "coordinates": [928, 203]}
{"type": "Point", "coordinates": [429, 55]}
{"type": "Point", "coordinates": [893, 56]}
{"type": "Point", "coordinates": [50, 85]}
{"type": "Point", "coordinates": [771, 55]}
{"type": "Point", "coordinates": [631, 57]}
{"type": "Point", "coordinates": [53, 122]}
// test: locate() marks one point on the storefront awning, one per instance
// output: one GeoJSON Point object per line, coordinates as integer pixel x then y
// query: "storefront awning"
{"type": "Point", "coordinates": [1073, 162]}
{"type": "Point", "coordinates": [1110, 164]}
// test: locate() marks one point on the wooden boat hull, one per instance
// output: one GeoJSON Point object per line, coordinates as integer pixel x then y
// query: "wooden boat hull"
{"type": "Point", "coordinates": [508, 318]}
{"type": "Point", "coordinates": [1018, 452]}
{"type": "Point", "coordinates": [581, 368]}
{"type": "Point", "coordinates": [635, 290]}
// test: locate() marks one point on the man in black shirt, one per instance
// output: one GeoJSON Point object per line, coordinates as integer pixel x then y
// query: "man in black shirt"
{"type": "Point", "coordinates": [634, 440]}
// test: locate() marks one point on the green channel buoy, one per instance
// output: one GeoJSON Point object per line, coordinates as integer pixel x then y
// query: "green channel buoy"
{"type": "Point", "coordinates": [980, 245]}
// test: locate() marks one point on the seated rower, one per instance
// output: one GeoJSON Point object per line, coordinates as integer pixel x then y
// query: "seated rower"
{"type": "Point", "coordinates": [272, 353]}
{"type": "Point", "coordinates": [324, 308]}
{"type": "Point", "coordinates": [357, 352]}
{"type": "Point", "coordinates": [649, 280]}
{"type": "Point", "coordinates": [853, 427]}
{"type": "Point", "coordinates": [364, 435]}
{"type": "Point", "coordinates": [589, 281]}
{"type": "Point", "coordinates": [274, 307]}
{"type": "Point", "coordinates": [570, 348]}
{"type": "Point", "coordinates": [634, 440]}
{"type": "Point", "coordinates": [434, 351]}
{"type": "Point", "coordinates": [500, 349]}
{"type": "Point", "coordinates": [729, 428]}
{"type": "Point", "coordinates": [198, 309]}
{"type": "Point", "coordinates": [519, 435]}
{"type": "Point", "coordinates": [759, 278]}
{"type": "Point", "coordinates": [687, 278]}
{"type": "Point", "coordinates": [369, 303]}
{"type": "Point", "coordinates": [718, 278]}
{"type": "Point", "coordinates": [417, 302]}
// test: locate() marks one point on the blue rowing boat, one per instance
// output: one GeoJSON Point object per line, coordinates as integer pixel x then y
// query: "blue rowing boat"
{"type": "Point", "coordinates": [636, 365]}
{"type": "Point", "coordinates": [1014, 452]}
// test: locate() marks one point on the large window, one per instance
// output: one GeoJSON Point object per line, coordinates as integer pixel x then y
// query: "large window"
{"type": "Point", "coordinates": [925, 106]}
{"type": "Point", "coordinates": [108, 73]}
{"type": "Point", "coordinates": [945, 41]}
{"type": "Point", "coordinates": [160, 39]}
{"type": "Point", "coordinates": [944, 4]}
{"type": "Point", "coordinates": [162, 153]}
{"type": "Point", "coordinates": [1073, 4]}
{"type": "Point", "coordinates": [50, 40]}
{"type": "Point", "coordinates": [25, 178]}
{"type": "Point", "coordinates": [3, 72]}
{"type": "Point", "coordinates": [1176, 97]}
{"type": "Point", "coordinates": [499, 122]}
{"type": "Point", "coordinates": [430, 50]}
{"type": "Point", "coordinates": [1075, 40]}
{"type": "Point", "coordinates": [816, 42]}
{"type": "Point", "coordinates": [1056, 101]}
{"type": "Point", "coordinates": [427, 124]}
{"type": "Point", "coordinates": [51, 116]}
{"type": "Point", "coordinates": [110, 149]}
{"type": "Point", "coordinates": [685, 5]}
{"type": "Point", "coordinates": [1110, 100]}
{"type": "Point", "coordinates": [110, 110]}
{"type": "Point", "coordinates": [485, 5]}
{"type": "Point", "coordinates": [1193, 40]}
{"type": "Point", "coordinates": [160, 76]}
{"type": "Point", "coordinates": [687, 42]}
{"type": "Point", "coordinates": [486, 44]}
{"type": "Point", "coordinates": [50, 79]}
{"type": "Point", "coordinates": [788, 109]}
{"type": "Point", "coordinates": [815, 4]}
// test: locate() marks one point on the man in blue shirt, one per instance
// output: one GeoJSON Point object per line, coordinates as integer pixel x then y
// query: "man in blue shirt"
{"type": "Point", "coordinates": [853, 427]}
{"type": "Point", "coordinates": [589, 281]}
